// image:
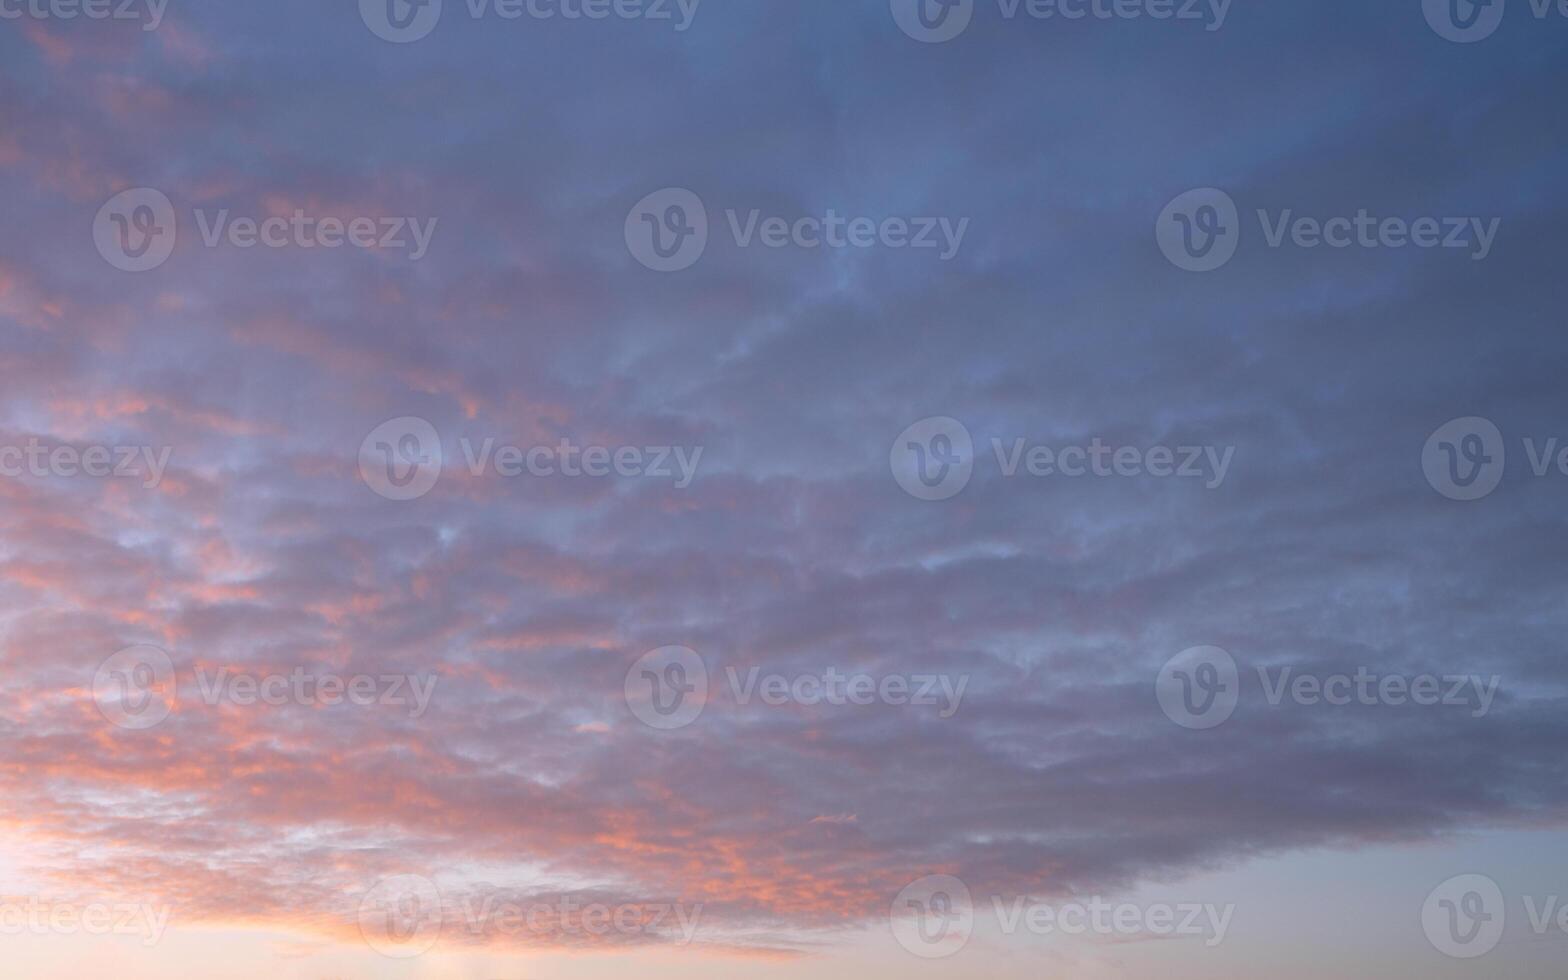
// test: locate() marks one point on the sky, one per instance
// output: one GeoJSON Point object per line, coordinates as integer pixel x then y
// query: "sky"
{"type": "Point", "coordinates": [561, 489]}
